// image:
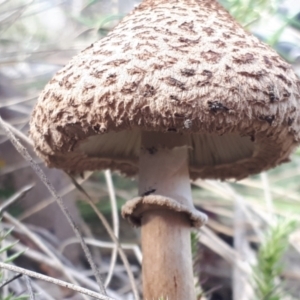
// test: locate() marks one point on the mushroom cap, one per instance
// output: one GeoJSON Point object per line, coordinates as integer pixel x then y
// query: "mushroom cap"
{"type": "Point", "coordinates": [184, 68]}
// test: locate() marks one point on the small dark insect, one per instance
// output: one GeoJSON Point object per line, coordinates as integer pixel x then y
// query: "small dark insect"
{"type": "Point", "coordinates": [149, 192]}
{"type": "Point", "coordinates": [216, 106]}
{"type": "Point", "coordinates": [152, 150]}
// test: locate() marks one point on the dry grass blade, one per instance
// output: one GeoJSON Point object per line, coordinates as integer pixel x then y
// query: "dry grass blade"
{"type": "Point", "coordinates": [23, 151]}
{"type": "Point", "coordinates": [102, 244]}
{"type": "Point", "coordinates": [12, 102]}
{"type": "Point", "coordinates": [247, 212]}
{"type": "Point", "coordinates": [13, 168]}
{"type": "Point", "coordinates": [212, 241]}
{"type": "Point", "coordinates": [212, 187]}
{"type": "Point", "coordinates": [116, 223]}
{"type": "Point", "coordinates": [33, 237]}
{"type": "Point", "coordinates": [29, 288]}
{"type": "Point", "coordinates": [4, 257]}
{"type": "Point", "coordinates": [41, 258]}
{"type": "Point", "coordinates": [113, 237]}
{"type": "Point", "coordinates": [6, 126]}
{"type": "Point", "coordinates": [275, 190]}
{"type": "Point", "coordinates": [17, 196]}
{"type": "Point", "coordinates": [46, 202]}
{"type": "Point", "coordinates": [267, 193]}
{"type": "Point", "coordinates": [43, 294]}
{"type": "Point", "coordinates": [8, 281]}
{"type": "Point", "coordinates": [241, 286]}
{"type": "Point", "coordinates": [227, 192]}
{"type": "Point", "coordinates": [54, 281]}
{"type": "Point", "coordinates": [10, 19]}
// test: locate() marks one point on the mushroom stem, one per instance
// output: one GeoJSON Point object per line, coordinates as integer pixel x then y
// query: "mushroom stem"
{"type": "Point", "coordinates": [167, 257]}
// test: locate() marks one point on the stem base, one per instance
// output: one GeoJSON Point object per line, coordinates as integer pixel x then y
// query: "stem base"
{"type": "Point", "coordinates": [167, 256]}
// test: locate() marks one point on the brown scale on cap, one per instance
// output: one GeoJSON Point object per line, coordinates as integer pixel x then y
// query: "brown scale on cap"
{"type": "Point", "coordinates": [238, 96]}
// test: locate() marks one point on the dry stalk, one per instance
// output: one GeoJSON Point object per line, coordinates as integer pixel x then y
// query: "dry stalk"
{"type": "Point", "coordinates": [116, 224]}
{"type": "Point", "coordinates": [58, 282]}
{"type": "Point", "coordinates": [23, 151]}
{"type": "Point", "coordinates": [113, 237]}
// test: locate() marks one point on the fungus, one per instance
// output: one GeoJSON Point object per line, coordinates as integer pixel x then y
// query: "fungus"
{"type": "Point", "coordinates": [186, 94]}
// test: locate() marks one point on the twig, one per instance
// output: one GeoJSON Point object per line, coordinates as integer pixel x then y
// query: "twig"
{"type": "Point", "coordinates": [3, 257]}
{"type": "Point", "coordinates": [29, 288]}
{"type": "Point", "coordinates": [275, 190]}
{"type": "Point", "coordinates": [83, 278]}
{"type": "Point", "coordinates": [17, 196]}
{"type": "Point", "coordinates": [240, 281]}
{"type": "Point", "coordinates": [227, 192]}
{"type": "Point", "coordinates": [14, 101]}
{"type": "Point", "coordinates": [102, 244]}
{"type": "Point", "coordinates": [45, 202]}
{"type": "Point", "coordinates": [70, 286]}
{"type": "Point", "coordinates": [6, 282]}
{"type": "Point", "coordinates": [15, 132]}
{"type": "Point", "coordinates": [212, 241]}
{"type": "Point", "coordinates": [43, 294]}
{"type": "Point", "coordinates": [113, 237]}
{"type": "Point", "coordinates": [23, 151]}
{"type": "Point", "coordinates": [41, 258]}
{"type": "Point", "coordinates": [245, 209]}
{"type": "Point", "coordinates": [12, 168]}
{"type": "Point", "coordinates": [268, 195]}
{"type": "Point", "coordinates": [25, 230]}
{"type": "Point", "coordinates": [116, 224]}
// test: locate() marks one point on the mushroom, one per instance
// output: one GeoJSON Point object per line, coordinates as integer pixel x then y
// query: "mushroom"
{"type": "Point", "coordinates": [177, 91]}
